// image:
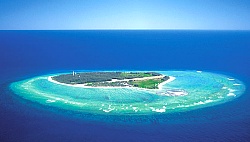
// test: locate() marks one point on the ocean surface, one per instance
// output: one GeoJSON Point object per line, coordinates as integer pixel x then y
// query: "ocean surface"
{"type": "Point", "coordinates": [27, 54]}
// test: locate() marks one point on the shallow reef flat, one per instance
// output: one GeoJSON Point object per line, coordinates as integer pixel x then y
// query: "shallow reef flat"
{"type": "Point", "coordinates": [184, 91]}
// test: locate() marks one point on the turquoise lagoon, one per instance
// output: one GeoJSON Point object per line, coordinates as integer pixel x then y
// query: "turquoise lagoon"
{"type": "Point", "coordinates": [189, 90]}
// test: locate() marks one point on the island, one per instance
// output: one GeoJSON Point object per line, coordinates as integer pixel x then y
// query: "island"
{"type": "Point", "coordinates": [147, 80]}
{"type": "Point", "coordinates": [131, 92]}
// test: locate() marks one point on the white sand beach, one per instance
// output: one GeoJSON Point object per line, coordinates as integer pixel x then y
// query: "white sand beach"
{"type": "Point", "coordinates": [171, 78]}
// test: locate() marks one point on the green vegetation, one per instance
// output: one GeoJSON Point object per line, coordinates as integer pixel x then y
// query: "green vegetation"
{"type": "Point", "coordinates": [149, 84]}
{"type": "Point", "coordinates": [90, 77]}
{"type": "Point", "coordinates": [109, 84]}
{"type": "Point", "coordinates": [96, 79]}
{"type": "Point", "coordinates": [137, 75]}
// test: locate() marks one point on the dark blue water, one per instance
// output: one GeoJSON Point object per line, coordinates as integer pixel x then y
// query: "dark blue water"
{"type": "Point", "coordinates": [24, 54]}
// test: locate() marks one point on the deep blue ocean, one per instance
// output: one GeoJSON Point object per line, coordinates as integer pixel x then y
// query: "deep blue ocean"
{"type": "Point", "coordinates": [25, 54]}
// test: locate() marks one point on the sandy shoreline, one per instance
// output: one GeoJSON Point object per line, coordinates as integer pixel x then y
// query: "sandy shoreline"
{"type": "Point", "coordinates": [171, 78]}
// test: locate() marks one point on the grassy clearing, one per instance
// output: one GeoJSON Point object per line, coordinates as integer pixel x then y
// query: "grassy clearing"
{"type": "Point", "coordinates": [135, 75]}
{"type": "Point", "coordinates": [149, 84]}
